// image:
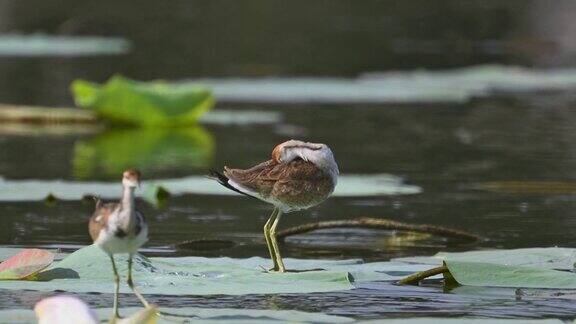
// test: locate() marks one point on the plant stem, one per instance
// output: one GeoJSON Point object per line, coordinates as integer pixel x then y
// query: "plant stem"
{"type": "Point", "coordinates": [415, 278]}
{"type": "Point", "coordinates": [378, 223]}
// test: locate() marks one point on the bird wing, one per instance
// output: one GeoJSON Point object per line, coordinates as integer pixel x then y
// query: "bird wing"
{"type": "Point", "coordinates": [281, 180]}
{"type": "Point", "coordinates": [100, 217]}
{"type": "Point", "coordinates": [258, 181]}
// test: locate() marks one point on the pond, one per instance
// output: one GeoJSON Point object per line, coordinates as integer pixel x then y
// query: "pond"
{"type": "Point", "coordinates": [428, 95]}
{"type": "Point", "coordinates": [500, 167]}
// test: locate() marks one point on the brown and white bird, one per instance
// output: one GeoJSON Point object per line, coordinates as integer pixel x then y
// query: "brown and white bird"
{"type": "Point", "coordinates": [298, 176]}
{"type": "Point", "coordinates": [119, 228]}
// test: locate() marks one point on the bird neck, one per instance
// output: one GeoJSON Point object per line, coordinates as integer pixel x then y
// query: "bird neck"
{"type": "Point", "coordinates": [128, 209]}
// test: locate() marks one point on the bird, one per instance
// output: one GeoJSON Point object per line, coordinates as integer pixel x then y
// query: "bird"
{"type": "Point", "coordinates": [118, 228]}
{"type": "Point", "coordinates": [298, 176]}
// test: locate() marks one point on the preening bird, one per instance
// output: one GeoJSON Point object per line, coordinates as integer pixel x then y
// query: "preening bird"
{"type": "Point", "coordinates": [298, 176]}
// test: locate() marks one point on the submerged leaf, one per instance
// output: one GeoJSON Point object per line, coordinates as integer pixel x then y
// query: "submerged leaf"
{"type": "Point", "coordinates": [154, 103]}
{"type": "Point", "coordinates": [25, 264]}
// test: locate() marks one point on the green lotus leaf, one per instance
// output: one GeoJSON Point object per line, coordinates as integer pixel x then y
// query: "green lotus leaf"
{"type": "Point", "coordinates": [154, 103]}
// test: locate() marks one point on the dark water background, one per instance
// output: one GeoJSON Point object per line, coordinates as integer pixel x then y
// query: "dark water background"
{"type": "Point", "coordinates": [446, 149]}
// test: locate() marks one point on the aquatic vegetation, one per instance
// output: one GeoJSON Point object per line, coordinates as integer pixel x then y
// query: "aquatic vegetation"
{"type": "Point", "coordinates": [25, 264]}
{"type": "Point", "coordinates": [421, 86]}
{"type": "Point", "coordinates": [527, 187]}
{"type": "Point", "coordinates": [87, 270]}
{"type": "Point", "coordinates": [155, 103]}
{"type": "Point", "coordinates": [67, 46]}
{"type": "Point", "coordinates": [519, 268]}
{"type": "Point", "coordinates": [349, 185]}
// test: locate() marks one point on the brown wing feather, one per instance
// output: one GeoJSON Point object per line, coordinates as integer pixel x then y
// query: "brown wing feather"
{"type": "Point", "coordinates": [100, 217]}
{"type": "Point", "coordinates": [302, 184]}
{"type": "Point", "coordinates": [259, 178]}
{"type": "Point", "coordinates": [295, 183]}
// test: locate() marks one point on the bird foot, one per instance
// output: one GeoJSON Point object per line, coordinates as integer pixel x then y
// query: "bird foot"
{"type": "Point", "coordinates": [273, 270]}
{"type": "Point", "coordinates": [294, 270]}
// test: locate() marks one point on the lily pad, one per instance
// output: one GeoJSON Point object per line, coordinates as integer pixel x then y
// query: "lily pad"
{"type": "Point", "coordinates": [243, 117]}
{"type": "Point", "coordinates": [200, 315]}
{"type": "Point", "coordinates": [158, 149]}
{"type": "Point", "coordinates": [89, 270]}
{"type": "Point", "coordinates": [528, 187]}
{"type": "Point", "coordinates": [541, 258]}
{"type": "Point", "coordinates": [454, 86]}
{"type": "Point", "coordinates": [519, 268]}
{"type": "Point", "coordinates": [499, 275]}
{"type": "Point", "coordinates": [25, 264]}
{"type": "Point", "coordinates": [50, 45]}
{"type": "Point", "coordinates": [155, 103]}
{"type": "Point", "coordinates": [351, 185]}
{"type": "Point", "coordinates": [36, 190]}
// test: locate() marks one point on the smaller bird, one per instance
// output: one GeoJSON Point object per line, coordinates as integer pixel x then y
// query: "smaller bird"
{"type": "Point", "coordinates": [298, 176]}
{"type": "Point", "coordinates": [119, 228]}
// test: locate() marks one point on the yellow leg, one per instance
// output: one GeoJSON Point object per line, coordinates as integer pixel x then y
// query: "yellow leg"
{"type": "Point", "coordinates": [267, 228]}
{"type": "Point", "coordinates": [115, 314]}
{"type": "Point", "coordinates": [131, 283]}
{"type": "Point", "coordinates": [275, 246]}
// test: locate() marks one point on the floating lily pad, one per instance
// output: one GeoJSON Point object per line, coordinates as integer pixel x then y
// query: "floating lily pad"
{"type": "Point", "coordinates": [36, 190]}
{"type": "Point", "coordinates": [241, 117]}
{"type": "Point", "coordinates": [155, 103]}
{"type": "Point", "coordinates": [501, 275]}
{"type": "Point", "coordinates": [528, 187]}
{"type": "Point", "coordinates": [158, 149]}
{"type": "Point", "coordinates": [25, 264]}
{"type": "Point", "coordinates": [50, 45]}
{"type": "Point", "coordinates": [456, 85]}
{"type": "Point", "coordinates": [89, 270]}
{"type": "Point", "coordinates": [199, 315]}
{"type": "Point", "coordinates": [519, 268]}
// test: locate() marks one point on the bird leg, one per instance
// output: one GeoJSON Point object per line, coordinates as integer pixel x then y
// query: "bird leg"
{"type": "Point", "coordinates": [115, 314]}
{"type": "Point", "coordinates": [274, 242]}
{"type": "Point", "coordinates": [131, 283]}
{"type": "Point", "coordinates": [267, 228]}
